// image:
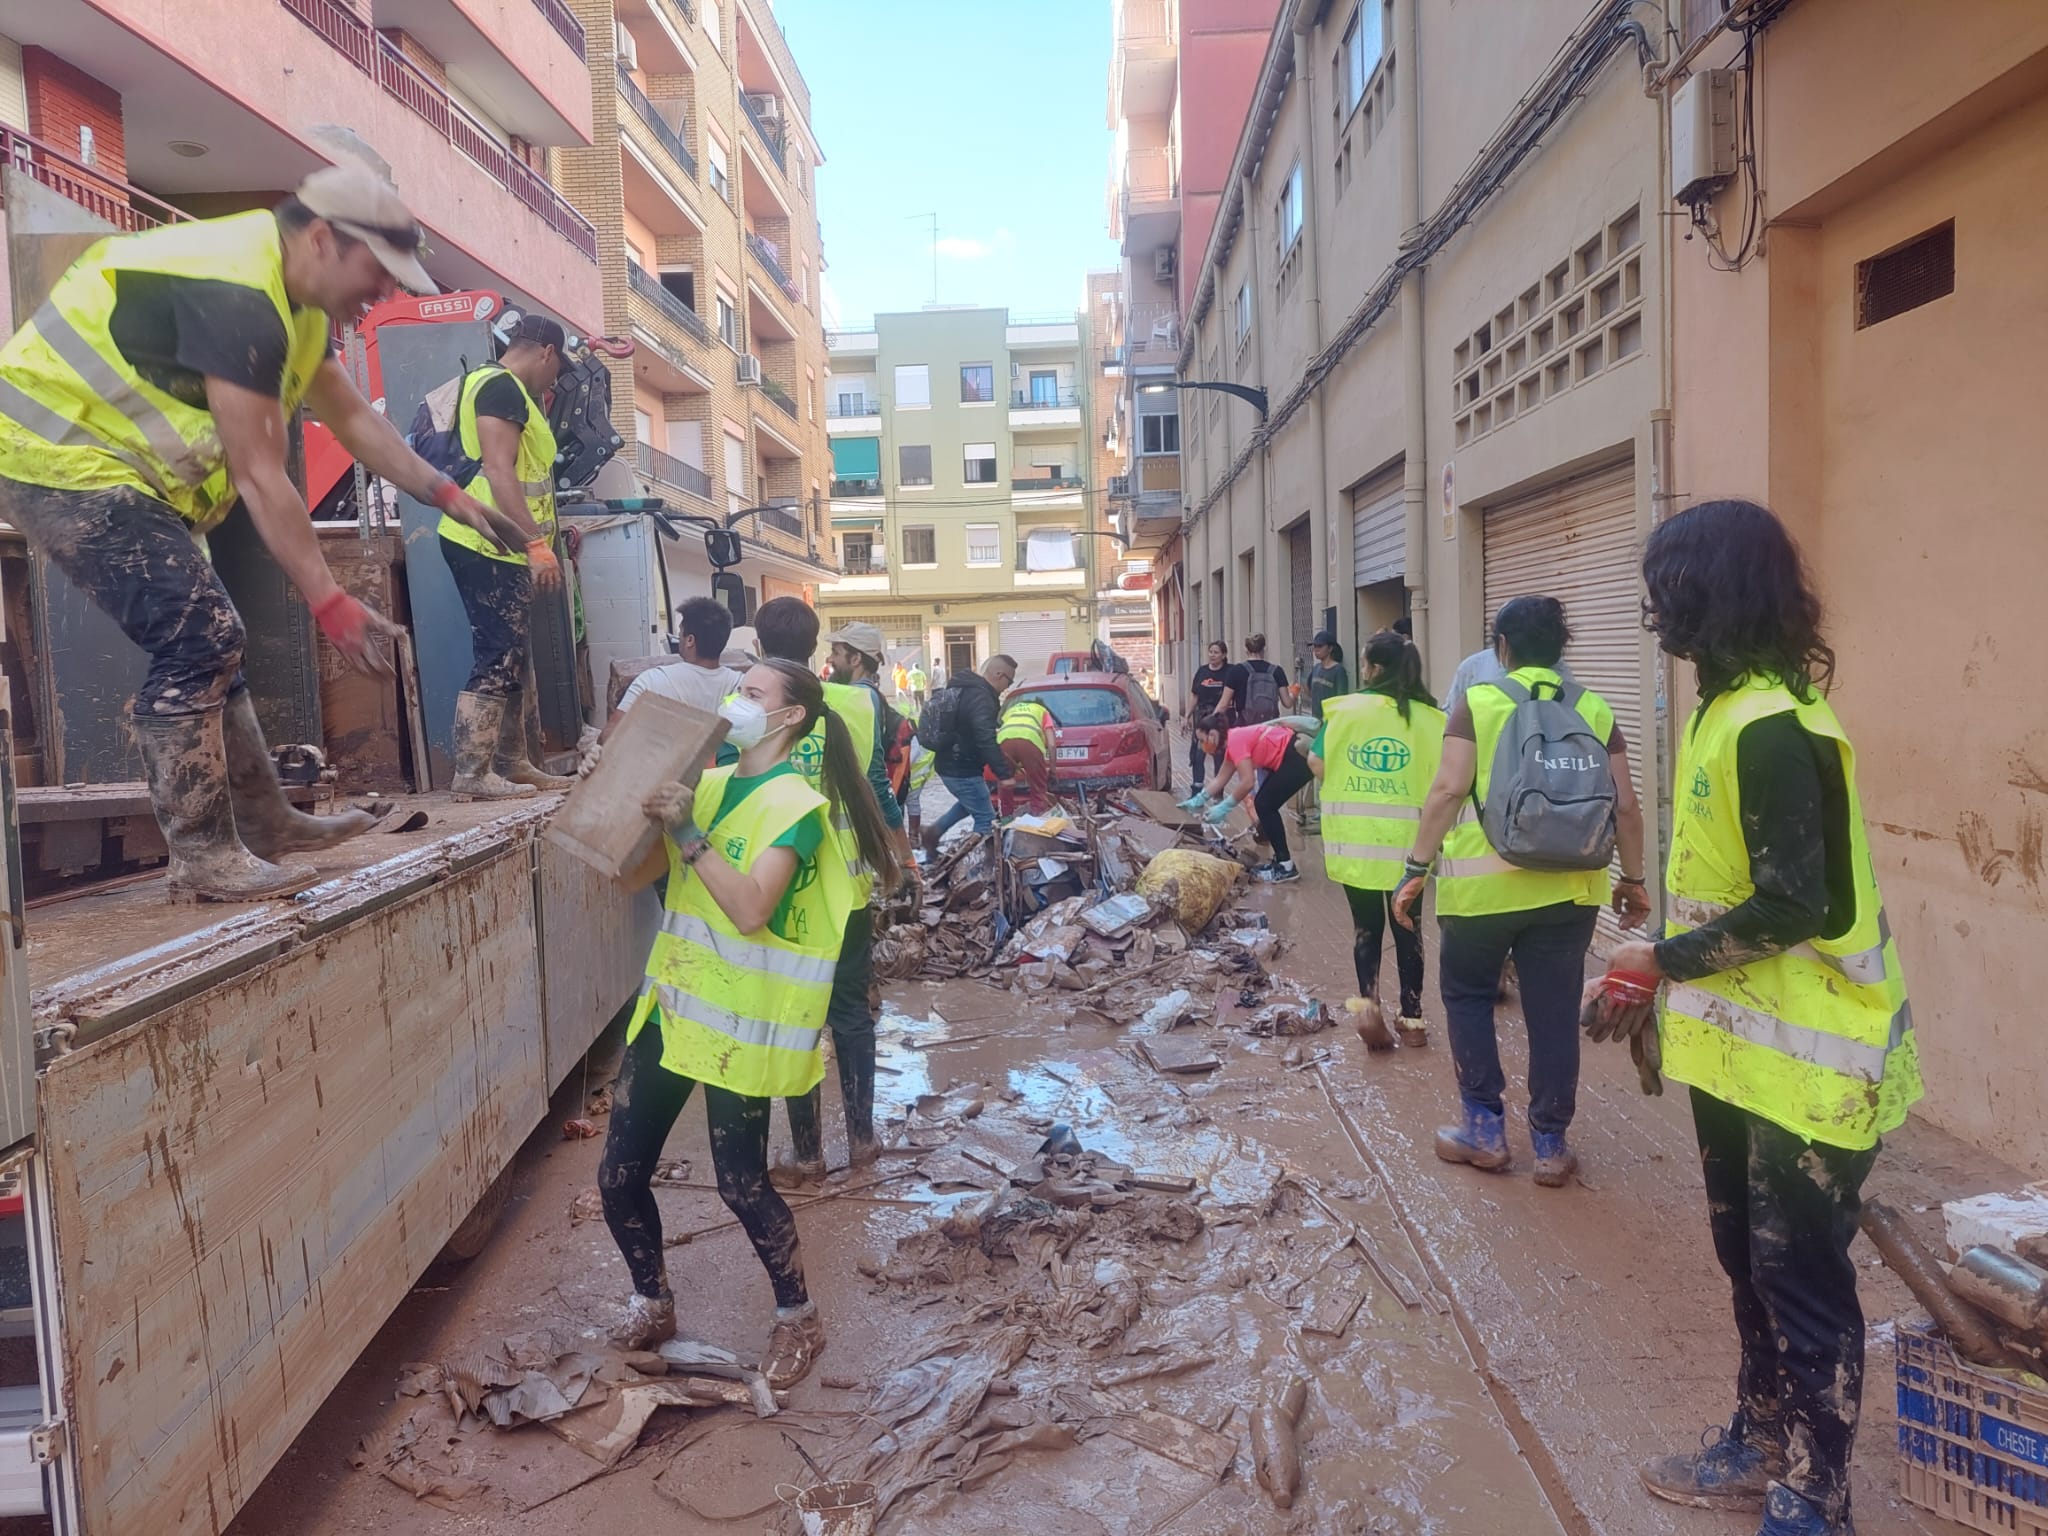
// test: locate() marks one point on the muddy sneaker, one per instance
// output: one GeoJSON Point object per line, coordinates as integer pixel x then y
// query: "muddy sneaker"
{"type": "Point", "coordinates": [649, 1321]}
{"type": "Point", "coordinates": [798, 1340]}
{"type": "Point", "coordinates": [790, 1175]}
{"type": "Point", "coordinates": [1370, 1022]}
{"type": "Point", "coordinates": [1787, 1513]}
{"type": "Point", "coordinates": [1279, 872]}
{"type": "Point", "coordinates": [1412, 1032]}
{"type": "Point", "coordinates": [1481, 1139]}
{"type": "Point", "coordinates": [1555, 1162]}
{"type": "Point", "coordinates": [1730, 1470]}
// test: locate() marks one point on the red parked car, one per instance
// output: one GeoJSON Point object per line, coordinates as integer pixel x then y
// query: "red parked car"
{"type": "Point", "coordinates": [1107, 732]}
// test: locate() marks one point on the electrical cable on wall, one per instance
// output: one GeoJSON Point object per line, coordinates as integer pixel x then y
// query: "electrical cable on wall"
{"type": "Point", "coordinates": [1751, 185]}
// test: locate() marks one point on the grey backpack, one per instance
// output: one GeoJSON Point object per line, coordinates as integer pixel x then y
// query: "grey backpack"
{"type": "Point", "coordinates": [1550, 803]}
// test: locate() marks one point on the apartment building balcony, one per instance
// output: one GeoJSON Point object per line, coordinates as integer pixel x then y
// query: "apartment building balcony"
{"type": "Point", "coordinates": [851, 582]}
{"type": "Point", "coordinates": [129, 209]}
{"type": "Point", "coordinates": [1044, 407]}
{"type": "Point", "coordinates": [769, 255]}
{"type": "Point", "coordinates": [522, 61]}
{"type": "Point", "coordinates": [240, 87]}
{"type": "Point", "coordinates": [858, 417]}
{"type": "Point", "coordinates": [1147, 503]}
{"type": "Point", "coordinates": [1144, 59]}
{"type": "Point", "coordinates": [856, 487]}
{"type": "Point", "coordinates": [654, 128]}
{"type": "Point", "coordinates": [1153, 336]}
{"type": "Point", "coordinates": [1148, 191]}
{"type": "Point", "coordinates": [674, 343]}
{"type": "Point", "coordinates": [776, 434]}
{"type": "Point", "coordinates": [853, 344]}
{"type": "Point", "coordinates": [671, 475]}
{"type": "Point", "coordinates": [1040, 492]}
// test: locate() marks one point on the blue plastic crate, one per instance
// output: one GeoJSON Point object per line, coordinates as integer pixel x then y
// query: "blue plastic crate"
{"type": "Point", "coordinates": [1973, 1443]}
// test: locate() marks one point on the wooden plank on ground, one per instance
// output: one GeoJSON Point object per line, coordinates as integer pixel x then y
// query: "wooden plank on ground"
{"type": "Point", "coordinates": [1162, 808]}
{"type": "Point", "coordinates": [1177, 1439]}
{"type": "Point", "coordinates": [658, 742]}
{"type": "Point", "coordinates": [1168, 1054]}
{"type": "Point", "coordinates": [246, 1183]}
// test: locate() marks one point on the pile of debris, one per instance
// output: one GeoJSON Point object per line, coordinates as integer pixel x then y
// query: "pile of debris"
{"type": "Point", "coordinates": [1991, 1303]}
{"type": "Point", "coordinates": [1101, 910]}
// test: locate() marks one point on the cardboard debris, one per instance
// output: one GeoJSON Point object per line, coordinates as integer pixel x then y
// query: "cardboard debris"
{"type": "Point", "coordinates": [1178, 1440]}
{"type": "Point", "coordinates": [1180, 1057]}
{"type": "Point", "coordinates": [659, 742]}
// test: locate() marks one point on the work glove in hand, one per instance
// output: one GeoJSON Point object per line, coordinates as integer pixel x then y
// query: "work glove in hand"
{"type": "Point", "coordinates": [671, 806]}
{"type": "Point", "coordinates": [357, 632]}
{"type": "Point", "coordinates": [1193, 802]}
{"type": "Point", "coordinates": [1646, 1050]}
{"type": "Point", "coordinates": [1220, 812]}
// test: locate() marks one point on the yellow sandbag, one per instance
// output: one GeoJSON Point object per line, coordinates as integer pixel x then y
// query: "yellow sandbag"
{"type": "Point", "coordinates": [1189, 884]}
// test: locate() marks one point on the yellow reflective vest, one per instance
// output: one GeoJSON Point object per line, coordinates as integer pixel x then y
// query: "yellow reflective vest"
{"type": "Point", "coordinates": [75, 416]}
{"type": "Point", "coordinates": [1027, 720]}
{"type": "Point", "coordinates": [535, 466]}
{"type": "Point", "coordinates": [744, 1012]}
{"type": "Point", "coordinates": [1818, 1039]}
{"type": "Point", "coordinates": [1377, 769]}
{"type": "Point", "coordinates": [854, 704]}
{"type": "Point", "coordinates": [1473, 880]}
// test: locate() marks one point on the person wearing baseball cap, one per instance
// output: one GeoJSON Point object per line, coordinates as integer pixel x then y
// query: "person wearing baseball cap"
{"type": "Point", "coordinates": [149, 393]}
{"type": "Point", "coordinates": [503, 449]}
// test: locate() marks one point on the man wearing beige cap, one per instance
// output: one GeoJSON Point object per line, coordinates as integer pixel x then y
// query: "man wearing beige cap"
{"type": "Point", "coordinates": [149, 392]}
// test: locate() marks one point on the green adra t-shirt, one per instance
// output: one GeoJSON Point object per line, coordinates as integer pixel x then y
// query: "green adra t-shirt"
{"type": "Point", "coordinates": [806, 837]}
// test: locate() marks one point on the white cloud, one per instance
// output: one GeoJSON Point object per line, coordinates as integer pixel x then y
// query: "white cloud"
{"type": "Point", "coordinates": [962, 248]}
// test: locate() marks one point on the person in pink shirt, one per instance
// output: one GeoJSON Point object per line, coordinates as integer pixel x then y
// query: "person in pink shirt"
{"type": "Point", "coordinates": [1247, 751]}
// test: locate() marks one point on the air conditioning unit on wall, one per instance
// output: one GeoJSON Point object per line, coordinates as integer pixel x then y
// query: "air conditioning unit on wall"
{"type": "Point", "coordinates": [629, 53]}
{"type": "Point", "coordinates": [750, 368]}
{"type": "Point", "coordinates": [1162, 263]}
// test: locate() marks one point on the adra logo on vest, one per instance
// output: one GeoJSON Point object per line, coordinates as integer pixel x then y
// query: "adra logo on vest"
{"type": "Point", "coordinates": [1702, 786]}
{"type": "Point", "coordinates": [1383, 754]}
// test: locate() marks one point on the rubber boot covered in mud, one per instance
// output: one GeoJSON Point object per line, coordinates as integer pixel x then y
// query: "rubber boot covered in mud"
{"type": "Point", "coordinates": [512, 763]}
{"type": "Point", "coordinates": [268, 822]}
{"type": "Point", "coordinates": [479, 721]}
{"type": "Point", "coordinates": [188, 786]}
{"type": "Point", "coordinates": [1480, 1138]}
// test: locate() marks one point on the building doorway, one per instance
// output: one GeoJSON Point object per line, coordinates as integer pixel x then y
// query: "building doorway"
{"type": "Point", "coordinates": [959, 650]}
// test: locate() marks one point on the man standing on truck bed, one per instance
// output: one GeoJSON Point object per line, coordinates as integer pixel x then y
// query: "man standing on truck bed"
{"type": "Point", "coordinates": [149, 391]}
{"type": "Point", "coordinates": [507, 455]}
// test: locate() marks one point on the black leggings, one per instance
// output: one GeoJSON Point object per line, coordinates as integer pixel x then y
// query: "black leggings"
{"type": "Point", "coordinates": [645, 1104]}
{"type": "Point", "coordinates": [852, 1024]}
{"type": "Point", "coordinates": [1282, 785]}
{"type": "Point", "coordinates": [1370, 911]}
{"type": "Point", "coordinates": [1200, 763]}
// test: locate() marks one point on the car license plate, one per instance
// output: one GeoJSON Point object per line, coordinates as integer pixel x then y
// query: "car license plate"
{"type": "Point", "coordinates": [1073, 754]}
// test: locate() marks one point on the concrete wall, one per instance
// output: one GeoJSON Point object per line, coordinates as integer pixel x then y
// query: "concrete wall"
{"type": "Point", "coordinates": [1901, 453]}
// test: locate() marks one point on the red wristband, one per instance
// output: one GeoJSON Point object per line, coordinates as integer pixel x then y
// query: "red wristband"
{"type": "Point", "coordinates": [445, 494]}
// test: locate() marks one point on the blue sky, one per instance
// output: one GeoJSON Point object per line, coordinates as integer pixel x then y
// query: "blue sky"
{"type": "Point", "coordinates": [986, 113]}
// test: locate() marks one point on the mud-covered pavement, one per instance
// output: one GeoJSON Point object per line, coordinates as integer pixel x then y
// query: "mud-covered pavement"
{"type": "Point", "coordinates": [1554, 1339]}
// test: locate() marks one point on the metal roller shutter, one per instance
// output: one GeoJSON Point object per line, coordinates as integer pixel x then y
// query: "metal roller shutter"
{"type": "Point", "coordinates": [1032, 638]}
{"type": "Point", "coordinates": [1576, 541]}
{"type": "Point", "coordinates": [1301, 599]}
{"type": "Point", "coordinates": [1379, 537]}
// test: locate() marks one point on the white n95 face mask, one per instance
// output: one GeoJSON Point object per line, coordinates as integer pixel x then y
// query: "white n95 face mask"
{"type": "Point", "coordinates": [746, 722]}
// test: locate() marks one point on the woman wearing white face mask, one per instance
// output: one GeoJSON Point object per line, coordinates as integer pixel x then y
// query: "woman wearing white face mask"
{"type": "Point", "coordinates": [737, 987]}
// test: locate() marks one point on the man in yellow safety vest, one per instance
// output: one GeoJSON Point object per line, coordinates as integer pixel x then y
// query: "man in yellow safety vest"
{"type": "Point", "coordinates": [1783, 1007]}
{"type": "Point", "coordinates": [1024, 732]}
{"type": "Point", "coordinates": [148, 393]}
{"type": "Point", "coordinates": [504, 431]}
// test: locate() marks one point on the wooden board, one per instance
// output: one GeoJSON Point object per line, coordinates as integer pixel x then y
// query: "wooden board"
{"type": "Point", "coordinates": [1177, 1439]}
{"type": "Point", "coordinates": [246, 1183]}
{"type": "Point", "coordinates": [658, 742]}
{"type": "Point", "coordinates": [1180, 1056]}
{"type": "Point", "coordinates": [1162, 808]}
{"type": "Point", "coordinates": [595, 939]}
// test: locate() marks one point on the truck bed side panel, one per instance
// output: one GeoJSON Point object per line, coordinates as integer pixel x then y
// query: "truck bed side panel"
{"type": "Point", "coordinates": [248, 1182]}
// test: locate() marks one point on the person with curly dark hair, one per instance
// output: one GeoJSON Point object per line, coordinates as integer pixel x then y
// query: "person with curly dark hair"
{"type": "Point", "coordinates": [1783, 1007]}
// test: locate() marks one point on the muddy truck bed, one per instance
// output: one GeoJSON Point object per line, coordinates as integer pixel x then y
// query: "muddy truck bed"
{"type": "Point", "coordinates": [257, 1125]}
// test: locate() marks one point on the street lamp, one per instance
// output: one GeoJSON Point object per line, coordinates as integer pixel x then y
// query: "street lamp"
{"type": "Point", "coordinates": [1249, 393]}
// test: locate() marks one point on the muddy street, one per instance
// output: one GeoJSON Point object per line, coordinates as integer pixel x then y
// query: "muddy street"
{"type": "Point", "coordinates": [1479, 1354]}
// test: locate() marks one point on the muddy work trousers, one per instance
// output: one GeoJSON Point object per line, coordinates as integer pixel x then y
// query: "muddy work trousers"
{"type": "Point", "coordinates": [1369, 922]}
{"type": "Point", "coordinates": [1029, 761]}
{"type": "Point", "coordinates": [1281, 785]}
{"type": "Point", "coordinates": [498, 598]}
{"type": "Point", "coordinates": [852, 1023]}
{"type": "Point", "coordinates": [138, 562]}
{"type": "Point", "coordinates": [1548, 945]}
{"type": "Point", "coordinates": [645, 1105]}
{"type": "Point", "coordinates": [1783, 1212]}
